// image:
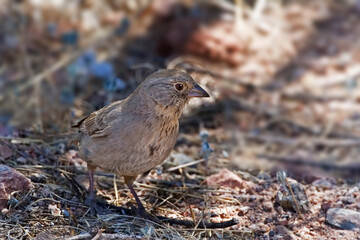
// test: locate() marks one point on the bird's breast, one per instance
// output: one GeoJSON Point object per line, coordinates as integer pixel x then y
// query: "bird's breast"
{"type": "Point", "coordinates": [135, 145]}
{"type": "Point", "coordinates": [163, 141]}
{"type": "Point", "coordinates": [154, 144]}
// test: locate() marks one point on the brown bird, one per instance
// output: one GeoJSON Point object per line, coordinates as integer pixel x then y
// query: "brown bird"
{"type": "Point", "coordinates": [132, 136]}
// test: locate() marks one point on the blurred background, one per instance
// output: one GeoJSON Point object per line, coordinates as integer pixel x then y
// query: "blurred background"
{"type": "Point", "coordinates": [282, 75]}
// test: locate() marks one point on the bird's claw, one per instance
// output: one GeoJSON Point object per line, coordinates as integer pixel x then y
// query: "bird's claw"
{"type": "Point", "coordinates": [95, 208]}
{"type": "Point", "coordinates": [144, 214]}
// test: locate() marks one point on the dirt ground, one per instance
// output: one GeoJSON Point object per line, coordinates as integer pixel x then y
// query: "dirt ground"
{"type": "Point", "coordinates": [282, 121]}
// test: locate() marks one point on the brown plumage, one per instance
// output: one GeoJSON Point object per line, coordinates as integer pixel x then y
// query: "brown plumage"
{"type": "Point", "coordinates": [132, 136]}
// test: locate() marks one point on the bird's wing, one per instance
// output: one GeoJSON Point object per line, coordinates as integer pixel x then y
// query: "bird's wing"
{"type": "Point", "coordinates": [95, 125]}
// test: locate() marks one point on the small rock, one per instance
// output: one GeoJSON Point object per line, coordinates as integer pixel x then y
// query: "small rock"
{"type": "Point", "coordinates": [284, 232]}
{"type": "Point", "coordinates": [5, 151]}
{"type": "Point", "coordinates": [4, 211]}
{"type": "Point", "coordinates": [353, 190]}
{"type": "Point", "coordinates": [348, 200]}
{"type": "Point", "coordinates": [325, 206]}
{"type": "Point", "coordinates": [11, 181]}
{"type": "Point", "coordinates": [323, 183]}
{"type": "Point", "coordinates": [225, 154]}
{"type": "Point", "coordinates": [271, 233]}
{"type": "Point", "coordinates": [279, 209]}
{"type": "Point", "coordinates": [264, 175]}
{"type": "Point", "coordinates": [262, 227]}
{"type": "Point", "coordinates": [268, 220]}
{"type": "Point", "coordinates": [38, 178]}
{"type": "Point", "coordinates": [268, 206]}
{"type": "Point", "coordinates": [21, 160]}
{"type": "Point", "coordinates": [46, 235]}
{"type": "Point", "coordinates": [225, 178]}
{"type": "Point", "coordinates": [343, 218]}
{"type": "Point", "coordinates": [258, 189]}
{"type": "Point", "coordinates": [243, 210]}
{"type": "Point", "coordinates": [73, 159]}
{"type": "Point", "coordinates": [61, 148]}
{"type": "Point", "coordinates": [182, 158]}
{"type": "Point", "coordinates": [315, 224]}
{"type": "Point", "coordinates": [54, 210]}
{"type": "Point", "coordinates": [286, 216]}
{"type": "Point", "coordinates": [285, 199]}
{"type": "Point", "coordinates": [283, 222]}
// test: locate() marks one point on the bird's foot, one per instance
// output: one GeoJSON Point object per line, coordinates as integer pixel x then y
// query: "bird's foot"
{"type": "Point", "coordinates": [95, 207]}
{"type": "Point", "coordinates": [141, 212]}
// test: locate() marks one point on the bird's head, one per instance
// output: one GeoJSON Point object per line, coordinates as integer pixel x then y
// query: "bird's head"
{"type": "Point", "coordinates": [171, 88]}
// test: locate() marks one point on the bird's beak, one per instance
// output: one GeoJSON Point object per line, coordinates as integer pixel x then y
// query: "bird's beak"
{"type": "Point", "coordinates": [197, 91]}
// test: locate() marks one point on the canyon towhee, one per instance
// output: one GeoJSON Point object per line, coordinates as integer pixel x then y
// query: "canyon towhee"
{"type": "Point", "coordinates": [132, 136]}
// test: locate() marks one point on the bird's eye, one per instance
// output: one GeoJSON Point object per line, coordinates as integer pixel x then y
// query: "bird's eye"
{"type": "Point", "coordinates": [179, 86]}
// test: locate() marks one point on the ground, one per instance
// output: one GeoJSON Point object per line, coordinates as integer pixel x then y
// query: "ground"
{"type": "Point", "coordinates": [284, 100]}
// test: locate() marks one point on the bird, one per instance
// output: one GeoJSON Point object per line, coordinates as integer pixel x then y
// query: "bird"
{"type": "Point", "coordinates": [132, 136]}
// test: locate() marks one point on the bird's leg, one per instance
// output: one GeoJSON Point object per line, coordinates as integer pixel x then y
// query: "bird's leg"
{"type": "Point", "coordinates": [129, 180]}
{"type": "Point", "coordinates": [91, 187]}
{"type": "Point", "coordinates": [139, 203]}
{"type": "Point", "coordinates": [141, 209]}
{"type": "Point", "coordinates": [90, 200]}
